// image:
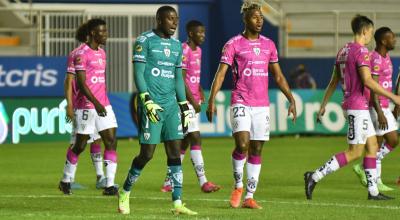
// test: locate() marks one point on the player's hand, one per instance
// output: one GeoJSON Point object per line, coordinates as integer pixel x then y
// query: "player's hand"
{"type": "Point", "coordinates": [184, 115]}
{"type": "Point", "coordinates": [396, 111]}
{"type": "Point", "coordinates": [202, 97]}
{"type": "Point", "coordinates": [210, 112]}
{"type": "Point", "coordinates": [101, 111]}
{"type": "Point", "coordinates": [383, 125]}
{"type": "Point", "coordinates": [70, 114]}
{"type": "Point", "coordinates": [151, 107]}
{"type": "Point", "coordinates": [197, 107]}
{"type": "Point", "coordinates": [321, 113]}
{"type": "Point", "coordinates": [292, 110]}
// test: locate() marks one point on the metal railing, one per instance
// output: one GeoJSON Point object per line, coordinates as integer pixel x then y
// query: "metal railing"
{"type": "Point", "coordinates": [52, 33]}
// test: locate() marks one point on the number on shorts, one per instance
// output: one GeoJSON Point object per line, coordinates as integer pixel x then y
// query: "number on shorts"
{"type": "Point", "coordinates": [85, 115]}
{"type": "Point", "coordinates": [365, 124]}
{"type": "Point", "coordinates": [350, 134]}
{"type": "Point", "coordinates": [238, 112]}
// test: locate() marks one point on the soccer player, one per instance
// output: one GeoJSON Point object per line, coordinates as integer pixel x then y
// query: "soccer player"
{"type": "Point", "coordinates": [163, 108]}
{"type": "Point", "coordinates": [93, 110]}
{"type": "Point", "coordinates": [70, 91]}
{"type": "Point", "coordinates": [252, 57]}
{"type": "Point", "coordinates": [191, 69]}
{"type": "Point", "coordinates": [382, 117]}
{"type": "Point", "coordinates": [352, 69]}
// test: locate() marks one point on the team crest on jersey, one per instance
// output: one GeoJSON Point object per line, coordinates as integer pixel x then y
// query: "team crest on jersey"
{"type": "Point", "coordinates": [139, 48]}
{"type": "Point", "coordinates": [100, 61]}
{"type": "Point", "coordinates": [256, 50]}
{"type": "Point", "coordinates": [167, 52]}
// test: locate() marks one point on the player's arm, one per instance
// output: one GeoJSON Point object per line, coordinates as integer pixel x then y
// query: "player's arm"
{"type": "Point", "coordinates": [189, 95]}
{"type": "Point", "coordinates": [367, 80]}
{"type": "Point", "coordinates": [377, 106]}
{"type": "Point", "coordinates": [328, 92]}
{"type": "Point", "coordinates": [280, 80]}
{"type": "Point", "coordinates": [81, 81]}
{"type": "Point", "coordinates": [215, 87]}
{"type": "Point", "coordinates": [396, 111]}
{"type": "Point", "coordinates": [203, 97]}
{"type": "Point", "coordinates": [69, 77]}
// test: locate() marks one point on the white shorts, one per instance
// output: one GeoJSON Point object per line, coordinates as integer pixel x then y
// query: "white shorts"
{"type": "Point", "coordinates": [392, 123]}
{"type": "Point", "coordinates": [360, 126]}
{"type": "Point", "coordinates": [92, 138]}
{"type": "Point", "coordinates": [194, 117]}
{"type": "Point", "coordinates": [89, 122]}
{"type": "Point", "coordinates": [252, 119]}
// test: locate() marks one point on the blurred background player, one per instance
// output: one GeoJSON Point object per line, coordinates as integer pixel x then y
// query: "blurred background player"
{"type": "Point", "coordinates": [191, 69]}
{"type": "Point", "coordinates": [352, 68]}
{"type": "Point", "coordinates": [157, 60]}
{"type": "Point", "coordinates": [70, 92]}
{"type": "Point", "coordinates": [93, 110]}
{"type": "Point", "coordinates": [251, 57]}
{"type": "Point", "coordinates": [385, 123]}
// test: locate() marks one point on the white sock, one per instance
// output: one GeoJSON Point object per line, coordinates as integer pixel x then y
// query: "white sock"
{"type": "Point", "coordinates": [69, 172]}
{"type": "Point", "coordinates": [97, 160]}
{"type": "Point", "coordinates": [111, 169]}
{"type": "Point", "coordinates": [253, 173]}
{"type": "Point", "coordinates": [378, 170]}
{"type": "Point", "coordinates": [329, 167]}
{"type": "Point", "coordinates": [370, 172]}
{"type": "Point", "coordinates": [238, 165]}
{"type": "Point", "coordinates": [198, 164]}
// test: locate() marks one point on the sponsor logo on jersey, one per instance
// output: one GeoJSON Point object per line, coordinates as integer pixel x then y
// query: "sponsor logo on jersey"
{"type": "Point", "coordinates": [141, 39]}
{"type": "Point", "coordinates": [139, 48]}
{"type": "Point", "coordinates": [376, 68]}
{"type": "Point", "coordinates": [366, 57]}
{"type": "Point", "coordinates": [163, 63]}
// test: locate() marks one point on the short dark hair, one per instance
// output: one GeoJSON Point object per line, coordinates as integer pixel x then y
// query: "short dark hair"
{"type": "Point", "coordinates": [248, 6]}
{"type": "Point", "coordinates": [380, 33]}
{"type": "Point", "coordinates": [360, 22]}
{"type": "Point", "coordinates": [94, 23]}
{"type": "Point", "coordinates": [191, 25]}
{"type": "Point", "coordinates": [82, 33]}
{"type": "Point", "coordinates": [163, 9]}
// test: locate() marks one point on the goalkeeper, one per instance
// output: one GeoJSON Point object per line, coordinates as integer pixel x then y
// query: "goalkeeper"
{"type": "Point", "coordinates": [163, 111]}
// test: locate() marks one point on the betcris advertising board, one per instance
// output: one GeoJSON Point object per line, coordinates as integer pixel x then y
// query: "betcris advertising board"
{"type": "Point", "coordinates": [32, 76]}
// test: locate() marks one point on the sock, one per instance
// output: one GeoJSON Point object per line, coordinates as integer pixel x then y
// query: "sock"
{"type": "Point", "coordinates": [97, 159]}
{"type": "Point", "coordinates": [70, 166]}
{"type": "Point", "coordinates": [253, 172]}
{"type": "Point", "coordinates": [131, 179]}
{"type": "Point", "coordinates": [238, 161]}
{"type": "Point", "coordinates": [370, 172]}
{"type": "Point", "coordinates": [167, 180]}
{"type": "Point", "coordinates": [110, 163]}
{"type": "Point", "coordinates": [335, 163]}
{"type": "Point", "coordinates": [384, 150]}
{"type": "Point", "coordinates": [198, 163]}
{"type": "Point", "coordinates": [177, 181]}
{"type": "Point", "coordinates": [182, 154]}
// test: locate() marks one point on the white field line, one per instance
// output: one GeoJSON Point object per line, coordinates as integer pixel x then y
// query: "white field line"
{"type": "Point", "coordinates": [297, 203]}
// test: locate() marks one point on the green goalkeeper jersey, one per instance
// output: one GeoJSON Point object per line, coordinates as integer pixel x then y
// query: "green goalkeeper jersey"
{"type": "Point", "coordinates": [162, 56]}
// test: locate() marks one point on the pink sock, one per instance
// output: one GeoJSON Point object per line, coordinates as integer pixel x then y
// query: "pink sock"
{"type": "Point", "coordinates": [72, 157]}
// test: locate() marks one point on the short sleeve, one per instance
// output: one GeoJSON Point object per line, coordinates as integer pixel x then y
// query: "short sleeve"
{"type": "Point", "coordinates": [140, 49]}
{"type": "Point", "coordinates": [363, 57]}
{"type": "Point", "coordinates": [80, 60]}
{"type": "Point", "coordinates": [274, 53]}
{"type": "Point", "coordinates": [228, 53]}
{"type": "Point", "coordinates": [70, 64]}
{"type": "Point", "coordinates": [185, 57]}
{"type": "Point", "coordinates": [375, 65]}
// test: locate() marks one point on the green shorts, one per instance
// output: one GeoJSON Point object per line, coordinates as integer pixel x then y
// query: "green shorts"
{"type": "Point", "coordinates": [168, 128]}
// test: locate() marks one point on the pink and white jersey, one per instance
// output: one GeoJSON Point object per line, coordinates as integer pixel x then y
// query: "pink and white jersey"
{"type": "Point", "coordinates": [93, 62]}
{"type": "Point", "coordinates": [249, 60]}
{"type": "Point", "coordinates": [71, 69]}
{"type": "Point", "coordinates": [348, 60]}
{"type": "Point", "coordinates": [383, 68]}
{"type": "Point", "coordinates": [191, 62]}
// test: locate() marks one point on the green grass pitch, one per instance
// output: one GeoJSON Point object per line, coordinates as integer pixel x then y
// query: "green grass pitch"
{"type": "Point", "coordinates": [30, 174]}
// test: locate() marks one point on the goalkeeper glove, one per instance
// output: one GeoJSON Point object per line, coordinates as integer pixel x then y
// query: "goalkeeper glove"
{"type": "Point", "coordinates": [184, 115]}
{"type": "Point", "coordinates": [151, 107]}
